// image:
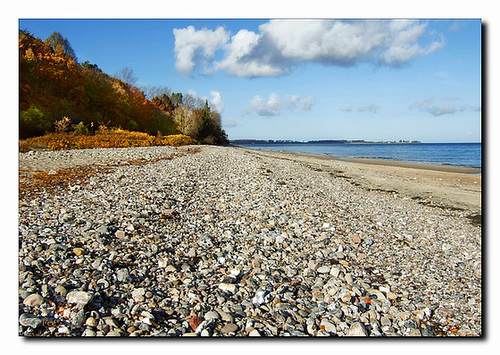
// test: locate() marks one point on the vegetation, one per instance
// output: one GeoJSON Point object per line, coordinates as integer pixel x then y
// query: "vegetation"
{"type": "Point", "coordinates": [116, 138]}
{"type": "Point", "coordinates": [66, 101]}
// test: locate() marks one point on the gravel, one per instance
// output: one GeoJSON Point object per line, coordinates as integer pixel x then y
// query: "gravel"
{"type": "Point", "coordinates": [221, 241]}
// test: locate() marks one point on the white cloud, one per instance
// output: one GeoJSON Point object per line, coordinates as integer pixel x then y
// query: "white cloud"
{"type": "Point", "coordinates": [216, 102]}
{"type": "Point", "coordinates": [199, 45]}
{"type": "Point", "coordinates": [281, 44]}
{"type": "Point", "coordinates": [274, 104]}
{"type": "Point", "coordinates": [447, 107]}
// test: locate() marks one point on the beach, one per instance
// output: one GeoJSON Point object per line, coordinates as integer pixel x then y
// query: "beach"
{"type": "Point", "coordinates": [226, 241]}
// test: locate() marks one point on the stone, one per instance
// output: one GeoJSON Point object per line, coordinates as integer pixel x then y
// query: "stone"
{"type": "Point", "coordinates": [123, 275]}
{"type": "Point", "coordinates": [229, 328]}
{"type": "Point", "coordinates": [254, 333]}
{"type": "Point", "coordinates": [170, 268]}
{"type": "Point", "coordinates": [91, 322]}
{"type": "Point", "coordinates": [328, 326]}
{"type": "Point", "coordinates": [80, 298]}
{"type": "Point", "coordinates": [194, 322]}
{"type": "Point", "coordinates": [138, 294]}
{"type": "Point", "coordinates": [33, 300]}
{"type": "Point", "coordinates": [120, 234]}
{"type": "Point", "coordinates": [78, 318]}
{"type": "Point", "coordinates": [323, 269]}
{"type": "Point", "coordinates": [212, 315]}
{"type": "Point", "coordinates": [29, 320]}
{"type": "Point", "coordinates": [61, 290]}
{"type": "Point", "coordinates": [357, 329]}
{"type": "Point", "coordinates": [78, 251]}
{"type": "Point", "coordinates": [227, 287]}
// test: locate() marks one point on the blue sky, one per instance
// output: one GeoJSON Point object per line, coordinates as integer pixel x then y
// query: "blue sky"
{"type": "Point", "coordinates": [302, 79]}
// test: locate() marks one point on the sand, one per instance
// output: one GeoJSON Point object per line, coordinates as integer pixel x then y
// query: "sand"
{"type": "Point", "coordinates": [438, 185]}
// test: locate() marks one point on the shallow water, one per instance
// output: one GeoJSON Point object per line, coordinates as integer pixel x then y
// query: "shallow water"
{"type": "Point", "coordinates": [455, 154]}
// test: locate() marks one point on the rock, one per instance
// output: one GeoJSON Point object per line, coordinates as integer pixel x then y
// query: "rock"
{"type": "Point", "coordinates": [29, 320]}
{"type": "Point", "coordinates": [229, 328]}
{"type": "Point", "coordinates": [170, 268]}
{"type": "Point", "coordinates": [227, 287]}
{"type": "Point", "coordinates": [33, 300]}
{"type": "Point", "coordinates": [357, 329]}
{"type": "Point", "coordinates": [91, 322]}
{"type": "Point", "coordinates": [260, 296]}
{"type": "Point", "coordinates": [212, 315]}
{"type": "Point", "coordinates": [194, 322]}
{"type": "Point", "coordinates": [323, 269]}
{"type": "Point", "coordinates": [254, 333]}
{"type": "Point", "coordinates": [138, 294]}
{"type": "Point", "coordinates": [80, 298]}
{"type": "Point", "coordinates": [328, 326]}
{"type": "Point", "coordinates": [61, 290]}
{"type": "Point", "coordinates": [78, 251]}
{"type": "Point", "coordinates": [78, 318]}
{"type": "Point", "coordinates": [120, 234]}
{"type": "Point", "coordinates": [123, 275]}
{"type": "Point", "coordinates": [356, 239]}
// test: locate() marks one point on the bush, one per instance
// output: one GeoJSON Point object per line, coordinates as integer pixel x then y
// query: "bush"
{"type": "Point", "coordinates": [117, 138]}
{"type": "Point", "coordinates": [81, 129]}
{"type": "Point", "coordinates": [32, 122]}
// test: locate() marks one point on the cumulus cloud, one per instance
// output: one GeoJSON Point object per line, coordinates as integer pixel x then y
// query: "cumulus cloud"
{"type": "Point", "coordinates": [281, 44]}
{"type": "Point", "coordinates": [274, 104]}
{"type": "Point", "coordinates": [216, 101]}
{"type": "Point", "coordinates": [450, 106]}
{"type": "Point", "coordinates": [192, 46]}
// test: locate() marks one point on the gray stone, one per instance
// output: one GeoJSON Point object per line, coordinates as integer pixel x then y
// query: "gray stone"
{"type": "Point", "coordinates": [123, 275]}
{"type": "Point", "coordinates": [78, 297]}
{"type": "Point", "coordinates": [29, 320]}
{"type": "Point", "coordinates": [211, 315]}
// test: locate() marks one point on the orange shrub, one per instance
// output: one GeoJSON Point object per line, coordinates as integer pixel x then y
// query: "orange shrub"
{"type": "Point", "coordinates": [117, 138]}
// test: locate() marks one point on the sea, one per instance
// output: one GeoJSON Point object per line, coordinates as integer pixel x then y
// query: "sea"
{"type": "Point", "coordinates": [455, 154]}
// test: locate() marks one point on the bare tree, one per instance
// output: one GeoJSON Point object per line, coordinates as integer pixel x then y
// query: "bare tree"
{"type": "Point", "coordinates": [126, 75]}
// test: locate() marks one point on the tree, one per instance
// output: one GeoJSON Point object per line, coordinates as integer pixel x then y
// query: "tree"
{"type": "Point", "coordinates": [61, 45]}
{"type": "Point", "coordinates": [126, 75]}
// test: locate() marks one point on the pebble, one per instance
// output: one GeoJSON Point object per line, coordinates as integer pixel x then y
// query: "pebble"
{"type": "Point", "coordinates": [357, 329]}
{"type": "Point", "coordinates": [229, 328]}
{"type": "Point", "coordinates": [226, 241]}
{"type": "Point", "coordinates": [78, 297]}
{"type": "Point", "coordinates": [33, 300]}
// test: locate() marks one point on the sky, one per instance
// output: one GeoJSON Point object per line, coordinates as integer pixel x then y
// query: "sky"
{"type": "Point", "coordinates": [302, 79]}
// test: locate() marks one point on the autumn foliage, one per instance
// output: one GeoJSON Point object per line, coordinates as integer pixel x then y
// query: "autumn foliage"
{"type": "Point", "coordinates": [54, 87]}
{"type": "Point", "coordinates": [102, 139]}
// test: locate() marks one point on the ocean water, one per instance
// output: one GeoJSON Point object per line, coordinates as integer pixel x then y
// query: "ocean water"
{"type": "Point", "coordinates": [456, 154]}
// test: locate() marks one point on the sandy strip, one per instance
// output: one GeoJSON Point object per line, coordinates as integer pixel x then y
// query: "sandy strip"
{"type": "Point", "coordinates": [438, 185]}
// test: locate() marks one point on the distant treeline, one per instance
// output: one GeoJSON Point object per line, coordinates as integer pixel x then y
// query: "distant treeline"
{"type": "Point", "coordinates": [324, 141]}
{"type": "Point", "coordinates": [54, 86]}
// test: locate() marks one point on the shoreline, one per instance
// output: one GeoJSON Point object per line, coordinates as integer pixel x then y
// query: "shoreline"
{"type": "Point", "coordinates": [386, 162]}
{"type": "Point", "coordinates": [436, 185]}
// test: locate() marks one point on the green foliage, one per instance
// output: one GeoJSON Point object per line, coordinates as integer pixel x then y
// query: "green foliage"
{"type": "Point", "coordinates": [81, 129]}
{"type": "Point", "coordinates": [60, 43]}
{"type": "Point", "coordinates": [32, 122]}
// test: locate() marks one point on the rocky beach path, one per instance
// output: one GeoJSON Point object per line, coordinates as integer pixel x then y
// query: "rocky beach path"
{"type": "Point", "coordinates": [221, 241]}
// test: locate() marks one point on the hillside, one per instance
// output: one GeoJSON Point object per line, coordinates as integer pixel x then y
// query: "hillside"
{"type": "Point", "coordinates": [54, 86]}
